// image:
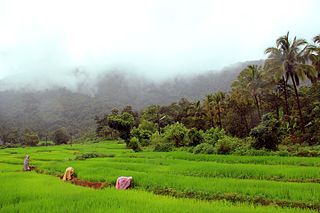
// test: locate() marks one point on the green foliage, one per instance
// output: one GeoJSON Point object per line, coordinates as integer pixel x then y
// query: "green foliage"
{"type": "Point", "coordinates": [313, 127]}
{"type": "Point", "coordinates": [163, 147]}
{"type": "Point", "coordinates": [11, 137]}
{"type": "Point", "coordinates": [195, 137]}
{"type": "Point", "coordinates": [45, 143]}
{"type": "Point", "coordinates": [60, 136]}
{"type": "Point", "coordinates": [176, 134]}
{"type": "Point", "coordinates": [92, 155]}
{"type": "Point", "coordinates": [156, 138]}
{"type": "Point", "coordinates": [147, 125]}
{"type": "Point", "coordinates": [30, 138]}
{"type": "Point", "coordinates": [109, 133]}
{"type": "Point", "coordinates": [267, 133]}
{"type": "Point", "coordinates": [123, 123]}
{"type": "Point", "coordinates": [212, 135]}
{"type": "Point", "coordinates": [203, 148]}
{"type": "Point", "coordinates": [152, 113]}
{"type": "Point", "coordinates": [134, 144]}
{"type": "Point", "coordinates": [227, 144]}
{"type": "Point", "coordinates": [143, 135]}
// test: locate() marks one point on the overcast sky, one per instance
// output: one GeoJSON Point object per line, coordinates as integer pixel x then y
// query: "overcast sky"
{"type": "Point", "coordinates": [155, 38]}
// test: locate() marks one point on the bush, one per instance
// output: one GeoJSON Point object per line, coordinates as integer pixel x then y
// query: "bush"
{"type": "Point", "coordinates": [203, 148]}
{"type": "Point", "coordinates": [267, 133]}
{"type": "Point", "coordinates": [60, 136]}
{"type": "Point", "coordinates": [123, 123]}
{"type": "Point", "coordinates": [227, 145]}
{"type": "Point", "coordinates": [212, 135]}
{"type": "Point", "coordinates": [163, 147]}
{"type": "Point", "coordinates": [147, 125]}
{"type": "Point", "coordinates": [144, 136]}
{"type": "Point", "coordinates": [195, 137]}
{"type": "Point", "coordinates": [308, 153]}
{"type": "Point", "coordinates": [109, 133]}
{"type": "Point", "coordinates": [30, 139]}
{"type": "Point", "coordinates": [177, 134]}
{"type": "Point", "coordinates": [92, 155]}
{"type": "Point", "coordinates": [134, 144]}
{"type": "Point", "coordinates": [156, 138]}
{"type": "Point", "coordinates": [44, 143]}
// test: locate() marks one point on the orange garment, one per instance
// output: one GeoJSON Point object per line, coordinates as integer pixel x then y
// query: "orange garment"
{"type": "Point", "coordinates": [68, 174]}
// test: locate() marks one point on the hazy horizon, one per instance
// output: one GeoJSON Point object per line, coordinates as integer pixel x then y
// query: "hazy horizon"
{"type": "Point", "coordinates": [49, 40]}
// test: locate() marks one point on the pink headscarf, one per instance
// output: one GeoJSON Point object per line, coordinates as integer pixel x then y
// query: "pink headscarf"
{"type": "Point", "coordinates": [123, 182]}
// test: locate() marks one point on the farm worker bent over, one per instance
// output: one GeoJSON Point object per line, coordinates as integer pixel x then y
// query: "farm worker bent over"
{"type": "Point", "coordinates": [26, 166]}
{"type": "Point", "coordinates": [68, 174]}
{"type": "Point", "coordinates": [123, 182]}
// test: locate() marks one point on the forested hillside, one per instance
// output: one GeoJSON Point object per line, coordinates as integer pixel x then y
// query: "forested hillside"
{"type": "Point", "coordinates": [43, 111]}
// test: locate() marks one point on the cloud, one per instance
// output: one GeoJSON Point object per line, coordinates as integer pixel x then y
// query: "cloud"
{"type": "Point", "coordinates": [41, 39]}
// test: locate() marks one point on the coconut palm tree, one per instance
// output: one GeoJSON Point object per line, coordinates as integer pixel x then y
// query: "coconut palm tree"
{"type": "Point", "coordinates": [287, 60]}
{"type": "Point", "coordinates": [254, 83]}
{"type": "Point", "coordinates": [250, 82]}
{"type": "Point", "coordinates": [209, 108]}
{"type": "Point", "coordinates": [218, 101]}
{"type": "Point", "coordinates": [313, 54]}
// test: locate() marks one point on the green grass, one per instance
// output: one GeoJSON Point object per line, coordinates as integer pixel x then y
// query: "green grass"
{"type": "Point", "coordinates": [30, 192]}
{"type": "Point", "coordinates": [185, 174]}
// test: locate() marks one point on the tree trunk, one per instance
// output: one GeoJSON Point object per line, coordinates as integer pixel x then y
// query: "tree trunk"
{"type": "Point", "coordinates": [211, 120]}
{"type": "Point", "coordinates": [257, 105]}
{"type": "Point", "coordinates": [219, 117]}
{"type": "Point", "coordinates": [298, 103]}
{"type": "Point", "coordinates": [286, 96]}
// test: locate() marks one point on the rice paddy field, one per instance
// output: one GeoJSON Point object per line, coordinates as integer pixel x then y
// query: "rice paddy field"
{"type": "Point", "coordinates": [163, 182]}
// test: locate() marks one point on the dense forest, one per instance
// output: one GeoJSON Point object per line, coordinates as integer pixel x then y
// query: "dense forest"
{"type": "Point", "coordinates": [274, 101]}
{"type": "Point", "coordinates": [44, 111]}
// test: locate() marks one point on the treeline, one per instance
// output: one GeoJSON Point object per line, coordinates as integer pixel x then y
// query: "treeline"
{"type": "Point", "coordinates": [45, 111]}
{"type": "Point", "coordinates": [265, 102]}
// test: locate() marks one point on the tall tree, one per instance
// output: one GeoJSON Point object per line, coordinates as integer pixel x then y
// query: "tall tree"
{"type": "Point", "coordinates": [287, 60]}
{"type": "Point", "coordinates": [313, 54]}
{"type": "Point", "coordinates": [209, 108]}
{"type": "Point", "coordinates": [251, 81]}
{"type": "Point", "coordinates": [218, 100]}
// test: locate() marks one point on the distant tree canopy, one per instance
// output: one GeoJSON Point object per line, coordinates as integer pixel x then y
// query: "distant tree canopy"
{"type": "Point", "coordinates": [123, 123]}
{"type": "Point", "coordinates": [30, 138]}
{"type": "Point", "coordinates": [60, 136]}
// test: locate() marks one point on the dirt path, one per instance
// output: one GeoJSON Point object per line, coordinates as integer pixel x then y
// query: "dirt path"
{"type": "Point", "coordinates": [77, 181]}
{"type": "Point", "coordinates": [85, 183]}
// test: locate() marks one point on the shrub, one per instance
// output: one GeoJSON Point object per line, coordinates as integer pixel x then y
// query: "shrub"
{"type": "Point", "coordinates": [30, 138]}
{"type": "Point", "coordinates": [144, 136]}
{"type": "Point", "coordinates": [308, 153]}
{"type": "Point", "coordinates": [156, 138]}
{"type": "Point", "coordinates": [177, 134]}
{"type": "Point", "coordinates": [147, 125]}
{"type": "Point", "coordinates": [227, 144]}
{"type": "Point", "coordinates": [203, 148]}
{"type": "Point", "coordinates": [267, 133]}
{"type": "Point", "coordinates": [312, 135]}
{"type": "Point", "coordinates": [212, 135]}
{"type": "Point", "coordinates": [92, 155]}
{"type": "Point", "coordinates": [163, 147]}
{"type": "Point", "coordinates": [60, 136]}
{"type": "Point", "coordinates": [134, 144]}
{"type": "Point", "coordinates": [107, 132]}
{"type": "Point", "coordinates": [45, 143]}
{"type": "Point", "coordinates": [123, 123]}
{"type": "Point", "coordinates": [195, 137]}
